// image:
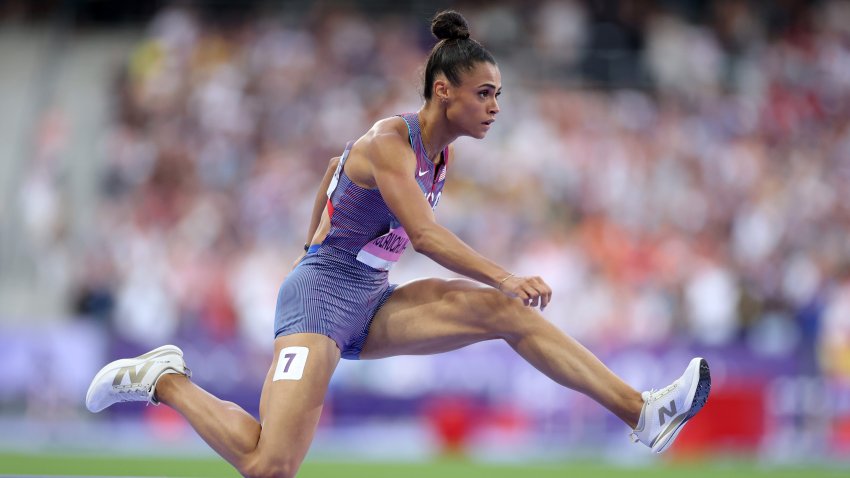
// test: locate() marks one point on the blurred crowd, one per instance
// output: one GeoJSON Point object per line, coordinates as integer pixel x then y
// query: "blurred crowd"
{"type": "Point", "coordinates": [673, 179]}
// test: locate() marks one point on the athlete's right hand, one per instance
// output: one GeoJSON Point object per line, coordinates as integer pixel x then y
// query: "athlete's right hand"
{"type": "Point", "coordinates": [294, 264]}
{"type": "Point", "coordinates": [533, 291]}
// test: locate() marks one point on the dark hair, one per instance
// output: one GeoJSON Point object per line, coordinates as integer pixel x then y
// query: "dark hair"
{"type": "Point", "coordinates": [455, 52]}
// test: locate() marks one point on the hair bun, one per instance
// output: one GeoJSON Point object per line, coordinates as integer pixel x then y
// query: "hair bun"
{"type": "Point", "coordinates": [449, 25]}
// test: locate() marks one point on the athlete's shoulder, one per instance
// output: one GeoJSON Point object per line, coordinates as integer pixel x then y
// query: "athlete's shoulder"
{"type": "Point", "coordinates": [388, 133]}
{"type": "Point", "coordinates": [388, 128]}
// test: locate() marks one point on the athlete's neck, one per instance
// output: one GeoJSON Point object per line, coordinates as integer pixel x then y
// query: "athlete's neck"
{"type": "Point", "coordinates": [435, 134]}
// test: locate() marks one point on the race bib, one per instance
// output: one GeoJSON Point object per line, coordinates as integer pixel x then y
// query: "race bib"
{"type": "Point", "coordinates": [383, 252]}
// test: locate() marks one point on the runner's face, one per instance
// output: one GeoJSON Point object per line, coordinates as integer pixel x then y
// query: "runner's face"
{"type": "Point", "coordinates": [472, 106]}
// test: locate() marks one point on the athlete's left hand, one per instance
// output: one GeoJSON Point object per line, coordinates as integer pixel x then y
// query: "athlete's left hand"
{"type": "Point", "coordinates": [533, 291]}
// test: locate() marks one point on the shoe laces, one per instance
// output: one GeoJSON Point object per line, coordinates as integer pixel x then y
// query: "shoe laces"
{"type": "Point", "coordinates": [657, 394]}
{"type": "Point", "coordinates": [652, 395]}
{"type": "Point", "coordinates": [131, 392]}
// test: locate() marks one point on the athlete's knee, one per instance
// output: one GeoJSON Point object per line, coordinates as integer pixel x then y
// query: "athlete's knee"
{"type": "Point", "coordinates": [495, 312]}
{"type": "Point", "coordinates": [269, 471]}
{"type": "Point", "coordinates": [514, 319]}
{"type": "Point", "coordinates": [264, 466]}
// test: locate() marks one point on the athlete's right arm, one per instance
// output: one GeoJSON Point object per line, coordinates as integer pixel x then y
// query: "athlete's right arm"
{"type": "Point", "coordinates": [392, 166]}
{"type": "Point", "coordinates": [321, 199]}
{"type": "Point", "coordinates": [318, 206]}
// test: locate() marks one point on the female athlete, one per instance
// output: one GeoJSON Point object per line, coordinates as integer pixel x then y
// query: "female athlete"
{"type": "Point", "coordinates": [375, 199]}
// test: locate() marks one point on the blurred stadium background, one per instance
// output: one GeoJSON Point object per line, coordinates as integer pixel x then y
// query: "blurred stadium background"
{"type": "Point", "coordinates": [679, 171]}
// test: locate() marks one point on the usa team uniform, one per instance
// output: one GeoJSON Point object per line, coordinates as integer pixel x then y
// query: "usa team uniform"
{"type": "Point", "coordinates": [341, 283]}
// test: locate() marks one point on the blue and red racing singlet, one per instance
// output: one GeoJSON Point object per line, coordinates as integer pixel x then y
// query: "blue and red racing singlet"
{"type": "Point", "coordinates": [361, 222]}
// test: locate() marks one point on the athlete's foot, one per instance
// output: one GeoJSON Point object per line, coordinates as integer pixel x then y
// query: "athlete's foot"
{"type": "Point", "coordinates": [134, 379]}
{"type": "Point", "coordinates": [666, 411]}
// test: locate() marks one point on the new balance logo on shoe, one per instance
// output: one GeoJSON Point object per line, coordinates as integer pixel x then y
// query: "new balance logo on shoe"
{"type": "Point", "coordinates": [134, 379]}
{"type": "Point", "coordinates": [671, 412]}
{"type": "Point", "coordinates": [135, 376]}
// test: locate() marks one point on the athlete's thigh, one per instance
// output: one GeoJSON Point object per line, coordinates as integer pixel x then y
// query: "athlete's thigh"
{"type": "Point", "coordinates": [429, 316]}
{"type": "Point", "coordinates": [294, 393]}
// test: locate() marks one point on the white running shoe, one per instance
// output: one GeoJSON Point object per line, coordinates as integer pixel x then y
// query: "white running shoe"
{"type": "Point", "coordinates": [134, 379]}
{"type": "Point", "coordinates": [666, 411]}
